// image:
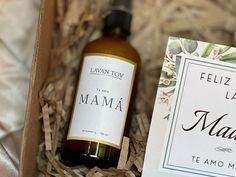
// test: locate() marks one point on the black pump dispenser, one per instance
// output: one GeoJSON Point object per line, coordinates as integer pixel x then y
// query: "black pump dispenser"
{"type": "Point", "coordinates": [120, 17]}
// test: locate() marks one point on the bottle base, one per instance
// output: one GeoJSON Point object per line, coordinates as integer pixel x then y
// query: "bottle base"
{"type": "Point", "coordinates": [78, 152]}
{"type": "Point", "coordinates": [87, 160]}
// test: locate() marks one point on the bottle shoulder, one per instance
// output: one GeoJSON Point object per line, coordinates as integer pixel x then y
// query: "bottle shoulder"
{"type": "Point", "coordinates": [113, 46]}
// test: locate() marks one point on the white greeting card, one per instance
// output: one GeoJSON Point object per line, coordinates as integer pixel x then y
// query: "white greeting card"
{"type": "Point", "coordinates": [193, 129]}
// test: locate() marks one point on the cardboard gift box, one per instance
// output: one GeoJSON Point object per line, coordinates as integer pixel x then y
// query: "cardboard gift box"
{"type": "Point", "coordinates": [40, 74]}
{"type": "Point", "coordinates": [32, 130]}
{"type": "Point", "coordinates": [154, 36]}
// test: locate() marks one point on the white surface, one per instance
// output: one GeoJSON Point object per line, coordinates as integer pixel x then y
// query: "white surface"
{"type": "Point", "coordinates": [18, 23]}
{"type": "Point", "coordinates": [167, 138]}
{"type": "Point", "coordinates": [18, 19]}
{"type": "Point", "coordinates": [201, 92]}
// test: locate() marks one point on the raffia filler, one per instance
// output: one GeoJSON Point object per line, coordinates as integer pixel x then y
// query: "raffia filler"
{"type": "Point", "coordinates": [154, 21]}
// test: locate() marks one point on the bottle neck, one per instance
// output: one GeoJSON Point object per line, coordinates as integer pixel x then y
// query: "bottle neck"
{"type": "Point", "coordinates": [116, 33]}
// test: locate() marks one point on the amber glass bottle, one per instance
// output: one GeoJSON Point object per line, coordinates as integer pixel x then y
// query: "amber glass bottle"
{"type": "Point", "coordinates": [107, 77]}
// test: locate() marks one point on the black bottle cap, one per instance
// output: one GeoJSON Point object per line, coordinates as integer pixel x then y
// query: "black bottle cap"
{"type": "Point", "coordinates": [120, 17]}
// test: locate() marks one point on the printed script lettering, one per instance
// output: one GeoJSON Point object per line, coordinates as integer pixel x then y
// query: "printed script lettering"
{"type": "Point", "coordinates": [213, 128]}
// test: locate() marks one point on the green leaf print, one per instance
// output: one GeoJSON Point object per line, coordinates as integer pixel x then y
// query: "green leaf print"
{"type": "Point", "coordinates": [207, 50]}
{"type": "Point", "coordinates": [231, 58]}
{"type": "Point", "coordinates": [223, 49]}
{"type": "Point", "coordinates": [190, 45]}
{"type": "Point", "coordinates": [168, 83]}
{"type": "Point", "coordinates": [174, 47]}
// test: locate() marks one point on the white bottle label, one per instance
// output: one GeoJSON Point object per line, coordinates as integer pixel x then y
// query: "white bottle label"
{"type": "Point", "coordinates": [102, 99]}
